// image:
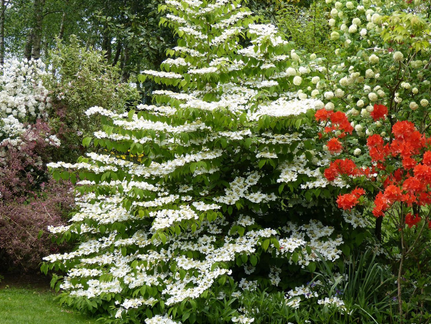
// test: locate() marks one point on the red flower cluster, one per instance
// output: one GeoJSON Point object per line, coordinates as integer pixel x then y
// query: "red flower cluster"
{"type": "Point", "coordinates": [339, 122]}
{"type": "Point", "coordinates": [348, 201]}
{"type": "Point", "coordinates": [412, 220]}
{"type": "Point", "coordinates": [378, 151]}
{"type": "Point", "coordinates": [379, 112]}
{"type": "Point", "coordinates": [382, 203]}
{"type": "Point", "coordinates": [407, 142]}
{"type": "Point", "coordinates": [409, 184]}
{"type": "Point", "coordinates": [341, 167]}
{"type": "Point", "coordinates": [334, 145]}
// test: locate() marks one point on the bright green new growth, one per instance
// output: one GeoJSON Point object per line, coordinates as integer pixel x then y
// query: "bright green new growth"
{"type": "Point", "coordinates": [195, 196]}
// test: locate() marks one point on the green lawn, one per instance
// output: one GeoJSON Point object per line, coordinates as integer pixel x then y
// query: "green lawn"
{"type": "Point", "coordinates": [33, 306]}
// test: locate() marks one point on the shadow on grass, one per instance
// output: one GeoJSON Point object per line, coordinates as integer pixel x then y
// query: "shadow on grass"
{"type": "Point", "coordinates": [29, 300]}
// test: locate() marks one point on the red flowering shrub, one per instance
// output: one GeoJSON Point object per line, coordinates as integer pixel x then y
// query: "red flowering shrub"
{"type": "Point", "coordinates": [399, 185]}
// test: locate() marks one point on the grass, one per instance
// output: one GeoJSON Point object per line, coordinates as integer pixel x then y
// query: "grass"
{"type": "Point", "coordinates": [31, 305]}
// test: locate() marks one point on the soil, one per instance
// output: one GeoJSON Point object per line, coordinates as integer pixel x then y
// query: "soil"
{"type": "Point", "coordinates": [29, 280]}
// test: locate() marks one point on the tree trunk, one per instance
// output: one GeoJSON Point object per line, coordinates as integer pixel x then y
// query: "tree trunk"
{"type": "Point", "coordinates": [117, 53]}
{"type": "Point", "coordinates": [125, 73]}
{"type": "Point", "coordinates": [61, 32]}
{"type": "Point", "coordinates": [106, 44]}
{"type": "Point", "coordinates": [28, 45]}
{"type": "Point", "coordinates": [37, 28]}
{"type": "Point", "coordinates": [3, 4]}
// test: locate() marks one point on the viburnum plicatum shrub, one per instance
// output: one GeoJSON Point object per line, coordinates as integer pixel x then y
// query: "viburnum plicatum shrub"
{"type": "Point", "coordinates": [216, 187]}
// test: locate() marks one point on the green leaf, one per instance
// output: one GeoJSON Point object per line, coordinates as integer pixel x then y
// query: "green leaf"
{"type": "Point", "coordinates": [162, 237]}
{"type": "Point", "coordinates": [265, 244]}
{"type": "Point", "coordinates": [312, 267]}
{"type": "Point", "coordinates": [131, 114]}
{"type": "Point", "coordinates": [86, 141]}
{"type": "Point", "coordinates": [346, 250]}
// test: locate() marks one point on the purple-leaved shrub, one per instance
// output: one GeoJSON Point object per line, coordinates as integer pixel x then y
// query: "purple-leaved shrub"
{"type": "Point", "coordinates": [24, 238]}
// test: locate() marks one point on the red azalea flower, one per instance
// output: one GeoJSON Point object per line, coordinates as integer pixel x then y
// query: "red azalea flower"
{"type": "Point", "coordinates": [413, 185]}
{"type": "Point", "coordinates": [323, 114]}
{"type": "Point", "coordinates": [358, 192]}
{"type": "Point", "coordinates": [412, 220]}
{"type": "Point", "coordinates": [427, 158]}
{"type": "Point", "coordinates": [393, 193]}
{"type": "Point", "coordinates": [409, 199]}
{"type": "Point", "coordinates": [424, 199]}
{"type": "Point", "coordinates": [409, 163]}
{"type": "Point", "coordinates": [334, 145]}
{"type": "Point", "coordinates": [423, 173]}
{"type": "Point", "coordinates": [379, 112]}
{"type": "Point", "coordinates": [381, 203]}
{"type": "Point", "coordinates": [346, 166]}
{"type": "Point", "coordinates": [403, 129]}
{"type": "Point", "coordinates": [329, 129]}
{"type": "Point", "coordinates": [388, 181]}
{"type": "Point", "coordinates": [398, 175]}
{"type": "Point", "coordinates": [375, 140]}
{"type": "Point", "coordinates": [347, 201]}
{"type": "Point", "coordinates": [339, 117]}
{"type": "Point", "coordinates": [331, 173]}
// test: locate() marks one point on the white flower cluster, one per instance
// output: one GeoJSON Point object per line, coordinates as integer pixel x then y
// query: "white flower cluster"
{"type": "Point", "coordinates": [284, 107]}
{"type": "Point", "coordinates": [160, 320]}
{"type": "Point", "coordinates": [316, 237]}
{"type": "Point", "coordinates": [23, 98]}
{"type": "Point", "coordinates": [161, 74]}
{"type": "Point", "coordinates": [166, 217]}
{"type": "Point", "coordinates": [232, 19]}
{"type": "Point", "coordinates": [266, 32]}
{"type": "Point", "coordinates": [242, 319]}
{"type": "Point", "coordinates": [334, 302]}
{"type": "Point", "coordinates": [239, 189]}
{"type": "Point", "coordinates": [304, 291]}
{"type": "Point", "coordinates": [355, 219]}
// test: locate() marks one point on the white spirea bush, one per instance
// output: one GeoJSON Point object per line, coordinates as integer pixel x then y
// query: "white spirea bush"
{"type": "Point", "coordinates": [23, 97]}
{"type": "Point", "coordinates": [187, 193]}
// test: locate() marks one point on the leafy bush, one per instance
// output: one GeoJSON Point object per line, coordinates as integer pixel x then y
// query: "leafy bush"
{"type": "Point", "coordinates": [81, 78]}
